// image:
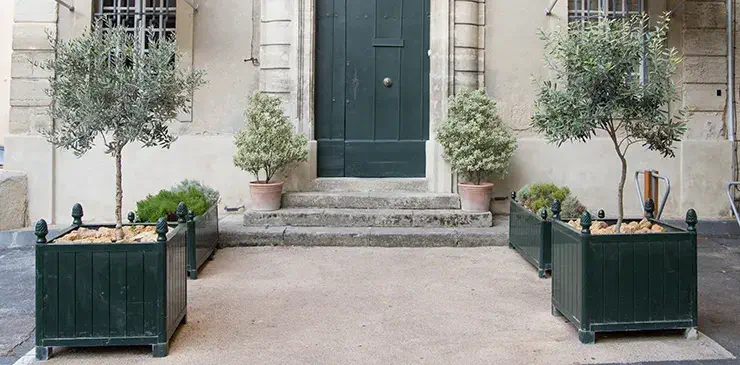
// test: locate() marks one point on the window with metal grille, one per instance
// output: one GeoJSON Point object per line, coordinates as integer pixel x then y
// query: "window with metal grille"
{"type": "Point", "coordinates": [146, 19]}
{"type": "Point", "coordinates": [596, 9]}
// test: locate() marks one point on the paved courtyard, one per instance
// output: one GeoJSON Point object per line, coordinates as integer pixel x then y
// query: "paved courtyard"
{"type": "Point", "coordinates": [278, 305]}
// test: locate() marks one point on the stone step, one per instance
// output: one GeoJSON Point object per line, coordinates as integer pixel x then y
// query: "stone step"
{"type": "Point", "coordinates": [371, 200]}
{"type": "Point", "coordinates": [233, 234]}
{"type": "Point", "coordinates": [311, 217]}
{"type": "Point", "coordinates": [353, 184]}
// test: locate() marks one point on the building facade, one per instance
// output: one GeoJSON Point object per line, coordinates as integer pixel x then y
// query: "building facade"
{"type": "Point", "coordinates": [368, 82]}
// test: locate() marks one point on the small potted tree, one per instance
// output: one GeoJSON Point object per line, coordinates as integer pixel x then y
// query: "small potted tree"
{"type": "Point", "coordinates": [107, 87]}
{"type": "Point", "coordinates": [267, 145]}
{"type": "Point", "coordinates": [478, 145]}
{"type": "Point", "coordinates": [616, 77]}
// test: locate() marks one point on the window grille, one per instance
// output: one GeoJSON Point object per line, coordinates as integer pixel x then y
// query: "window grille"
{"type": "Point", "coordinates": [596, 9]}
{"type": "Point", "coordinates": [146, 19]}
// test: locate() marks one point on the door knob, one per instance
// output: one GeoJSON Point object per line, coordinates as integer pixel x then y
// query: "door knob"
{"type": "Point", "coordinates": [387, 82]}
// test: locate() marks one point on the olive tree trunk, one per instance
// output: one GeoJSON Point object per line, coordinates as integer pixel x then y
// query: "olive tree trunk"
{"type": "Point", "coordinates": [119, 196]}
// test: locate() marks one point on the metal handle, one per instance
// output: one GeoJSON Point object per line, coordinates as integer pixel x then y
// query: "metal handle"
{"type": "Point", "coordinates": [732, 200]}
{"type": "Point", "coordinates": [387, 82]}
{"type": "Point", "coordinates": [665, 196]}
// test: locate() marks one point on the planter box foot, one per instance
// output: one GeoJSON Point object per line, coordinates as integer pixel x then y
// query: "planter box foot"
{"type": "Point", "coordinates": [511, 246]}
{"type": "Point", "coordinates": [184, 319]}
{"type": "Point", "coordinates": [160, 350]}
{"type": "Point", "coordinates": [43, 353]}
{"type": "Point", "coordinates": [691, 333]}
{"type": "Point", "coordinates": [193, 274]}
{"type": "Point", "coordinates": [556, 312]}
{"type": "Point", "coordinates": [542, 273]}
{"type": "Point", "coordinates": [586, 337]}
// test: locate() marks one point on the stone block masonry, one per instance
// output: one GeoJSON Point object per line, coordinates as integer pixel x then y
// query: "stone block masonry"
{"type": "Point", "coordinates": [14, 198]}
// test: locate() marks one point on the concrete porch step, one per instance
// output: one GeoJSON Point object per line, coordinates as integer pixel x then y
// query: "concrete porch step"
{"type": "Point", "coordinates": [234, 233]}
{"type": "Point", "coordinates": [312, 217]}
{"type": "Point", "coordinates": [371, 200]}
{"type": "Point", "coordinates": [353, 184]}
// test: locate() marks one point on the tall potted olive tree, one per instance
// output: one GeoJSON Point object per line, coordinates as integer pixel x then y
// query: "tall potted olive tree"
{"type": "Point", "coordinates": [478, 145]}
{"type": "Point", "coordinates": [107, 86]}
{"type": "Point", "coordinates": [267, 145]}
{"type": "Point", "coordinates": [611, 77]}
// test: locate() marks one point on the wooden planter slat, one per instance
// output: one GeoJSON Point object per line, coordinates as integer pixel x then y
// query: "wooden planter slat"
{"type": "Point", "coordinates": [530, 235]}
{"type": "Point", "coordinates": [624, 282]}
{"type": "Point", "coordinates": [110, 294]}
{"type": "Point", "coordinates": [202, 244]}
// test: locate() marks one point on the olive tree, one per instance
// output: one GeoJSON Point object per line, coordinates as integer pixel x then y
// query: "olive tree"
{"type": "Point", "coordinates": [612, 78]}
{"type": "Point", "coordinates": [107, 86]}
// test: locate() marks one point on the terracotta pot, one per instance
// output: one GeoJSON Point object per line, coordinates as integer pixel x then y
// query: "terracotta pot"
{"type": "Point", "coordinates": [266, 197]}
{"type": "Point", "coordinates": [475, 198]}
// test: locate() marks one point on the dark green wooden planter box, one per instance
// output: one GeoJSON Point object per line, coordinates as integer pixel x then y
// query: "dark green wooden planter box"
{"type": "Point", "coordinates": [202, 239]}
{"type": "Point", "coordinates": [625, 282]}
{"type": "Point", "coordinates": [529, 234]}
{"type": "Point", "coordinates": [116, 294]}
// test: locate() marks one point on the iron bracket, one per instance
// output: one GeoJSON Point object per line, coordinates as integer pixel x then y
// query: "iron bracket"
{"type": "Point", "coordinates": [548, 11]}
{"type": "Point", "coordinates": [64, 4]}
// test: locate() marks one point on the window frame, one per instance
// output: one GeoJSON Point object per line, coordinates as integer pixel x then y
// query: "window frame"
{"type": "Point", "coordinates": [143, 15]}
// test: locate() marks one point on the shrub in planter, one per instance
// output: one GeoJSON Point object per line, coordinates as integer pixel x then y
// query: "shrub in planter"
{"type": "Point", "coordinates": [124, 93]}
{"type": "Point", "coordinates": [601, 86]}
{"type": "Point", "coordinates": [164, 204]}
{"type": "Point", "coordinates": [477, 144]}
{"type": "Point", "coordinates": [267, 144]}
{"type": "Point", "coordinates": [110, 293]}
{"type": "Point", "coordinates": [202, 222]}
{"type": "Point", "coordinates": [529, 226]}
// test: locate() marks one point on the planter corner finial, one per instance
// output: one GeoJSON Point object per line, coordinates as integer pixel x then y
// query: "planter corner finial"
{"type": "Point", "coordinates": [41, 230]}
{"type": "Point", "coordinates": [182, 212]}
{"type": "Point", "coordinates": [162, 230]}
{"type": "Point", "coordinates": [691, 220]}
{"type": "Point", "coordinates": [131, 217]}
{"type": "Point", "coordinates": [649, 208]}
{"type": "Point", "coordinates": [191, 216]}
{"type": "Point", "coordinates": [513, 195]}
{"type": "Point", "coordinates": [556, 209]}
{"type": "Point", "coordinates": [586, 223]}
{"type": "Point", "coordinates": [77, 214]}
{"type": "Point", "coordinates": [543, 214]}
{"type": "Point", "coordinates": [601, 214]}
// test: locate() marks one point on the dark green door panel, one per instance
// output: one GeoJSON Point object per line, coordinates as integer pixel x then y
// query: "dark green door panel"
{"type": "Point", "coordinates": [364, 127]}
{"type": "Point", "coordinates": [382, 158]}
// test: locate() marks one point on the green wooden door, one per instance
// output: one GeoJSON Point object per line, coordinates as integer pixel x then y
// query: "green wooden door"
{"type": "Point", "coordinates": [372, 87]}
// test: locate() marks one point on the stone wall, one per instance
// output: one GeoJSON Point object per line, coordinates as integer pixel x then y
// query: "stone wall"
{"type": "Point", "coordinates": [469, 44]}
{"type": "Point", "coordinates": [14, 198]}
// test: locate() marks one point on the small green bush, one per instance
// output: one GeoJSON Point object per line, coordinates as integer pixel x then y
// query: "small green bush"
{"type": "Point", "coordinates": [538, 196]}
{"type": "Point", "coordinates": [267, 142]}
{"type": "Point", "coordinates": [476, 142]}
{"type": "Point", "coordinates": [211, 194]}
{"type": "Point", "coordinates": [164, 204]}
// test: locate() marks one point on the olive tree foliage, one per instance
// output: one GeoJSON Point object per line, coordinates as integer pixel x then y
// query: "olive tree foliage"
{"type": "Point", "coordinates": [476, 142]}
{"type": "Point", "coordinates": [600, 86]}
{"type": "Point", "coordinates": [267, 142]}
{"type": "Point", "coordinates": [106, 86]}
